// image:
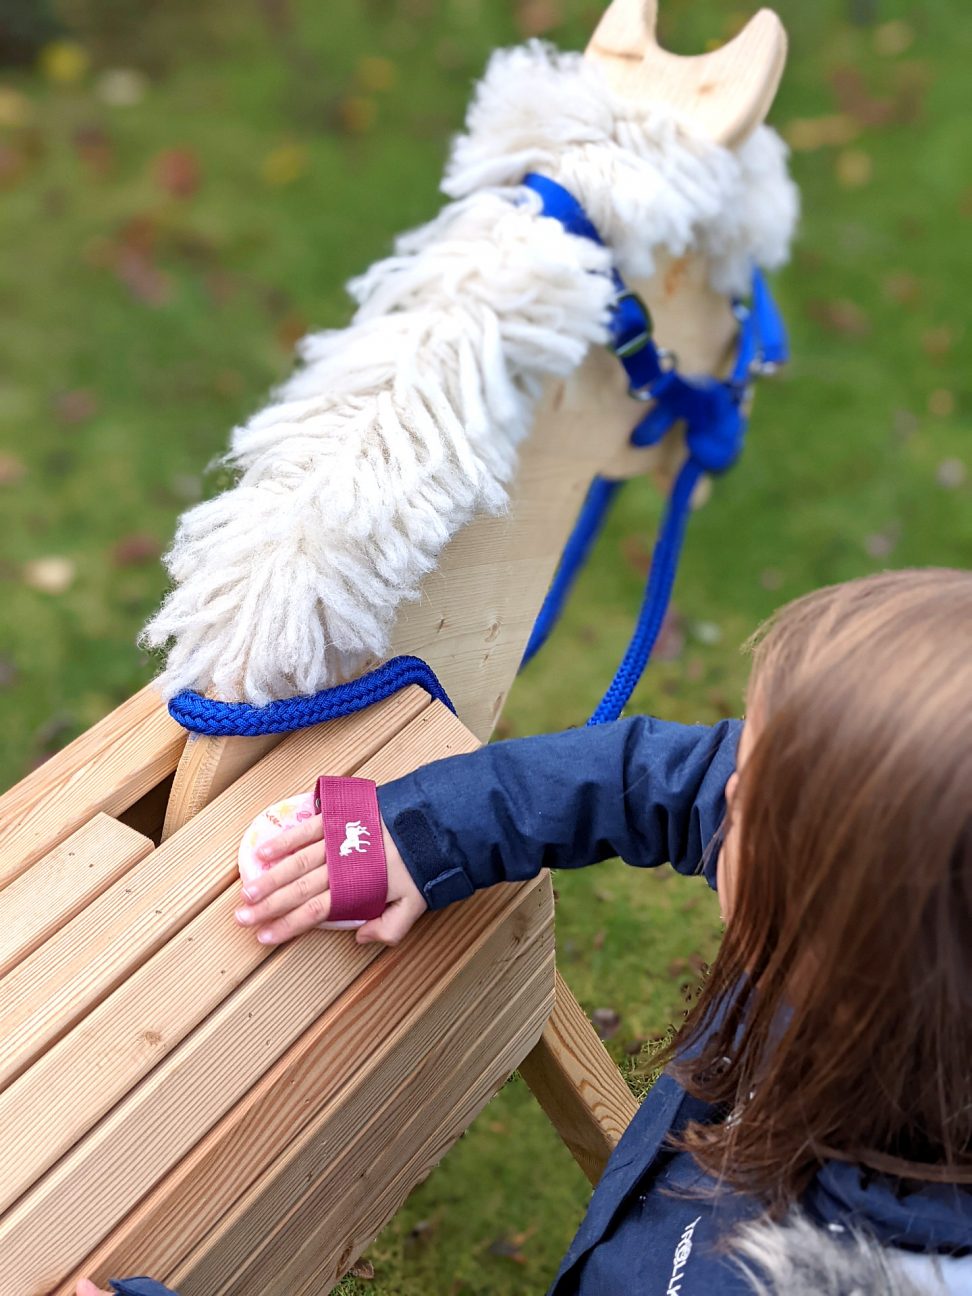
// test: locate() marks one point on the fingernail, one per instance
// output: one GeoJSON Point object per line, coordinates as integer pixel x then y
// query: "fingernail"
{"type": "Point", "coordinates": [265, 852]}
{"type": "Point", "coordinates": [244, 916]}
{"type": "Point", "coordinates": [265, 938]}
{"type": "Point", "coordinates": [251, 893]}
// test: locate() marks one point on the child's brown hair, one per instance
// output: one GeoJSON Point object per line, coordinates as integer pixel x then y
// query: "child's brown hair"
{"type": "Point", "coordinates": [837, 1018]}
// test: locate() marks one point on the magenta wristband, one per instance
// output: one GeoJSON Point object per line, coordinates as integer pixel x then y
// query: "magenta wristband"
{"type": "Point", "coordinates": [356, 867]}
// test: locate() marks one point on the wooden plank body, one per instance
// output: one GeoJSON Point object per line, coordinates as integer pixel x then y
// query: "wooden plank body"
{"type": "Point", "coordinates": [153, 1086]}
{"type": "Point", "coordinates": [108, 768]}
{"type": "Point", "coordinates": [64, 882]}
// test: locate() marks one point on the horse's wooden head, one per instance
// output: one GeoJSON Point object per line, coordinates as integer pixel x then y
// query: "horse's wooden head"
{"type": "Point", "coordinates": [725, 94]}
{"type": "Point", "coordinates": [475, 611]}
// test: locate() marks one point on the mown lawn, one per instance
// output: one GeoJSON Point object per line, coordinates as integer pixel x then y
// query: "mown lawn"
{"type": "Point", "coordinates": [183, 191]}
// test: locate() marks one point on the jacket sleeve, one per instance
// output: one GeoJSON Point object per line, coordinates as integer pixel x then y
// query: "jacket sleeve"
{"type": "Point", "coordinates": [140, 1287]}
{"type": "Point", "coordinates": [648, 790]}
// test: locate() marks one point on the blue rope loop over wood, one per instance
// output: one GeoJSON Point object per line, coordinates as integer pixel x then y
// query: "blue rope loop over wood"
{"type": "Point", "coordinates": [714, 412]}
{"type": "Point", "coordinates": [204, 715]}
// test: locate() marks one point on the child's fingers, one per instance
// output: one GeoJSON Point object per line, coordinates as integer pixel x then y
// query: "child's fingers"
{"type": "Point", "coordinates": [87, 1288]}
{"type": "Point", "coordinates": [394, 923]}
{"type": "Point", "coordinates": [306, 860]}
{"type": "Point", "coordinates": [306, 888]}
{"type": "Point", "coordinates": [292, 839]}
{"type": "Point", "coordinates": [302, 919]}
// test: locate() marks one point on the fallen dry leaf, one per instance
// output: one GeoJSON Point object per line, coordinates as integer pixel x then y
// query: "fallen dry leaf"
{"type": "Point", "coordinates": [15, 108]}
{"type": "Point", "coordinates": [135, 549]}
{"type": "Point", "coordinates": [121, 87]}
{"type": "Point", "coordinates": [941, 402]}
{"type": "Point", "coordinates": [937, 342]}
{"type": "Point", "coordinates": [94, 147]}
{"type": "Point", "coordinates": [606, 1022]}
{"type": "Point", "coordinates": [64, 62]}
{"type": "Point", "coordinates": [12, 470]}
{"type": "Point", "coordinates": [534, 17]}
{"type": "Point", "coordinates": [177, 172]}
{"type": "Point", "coordinates": [853, 168]}
{"type": "Point", "coordinates": [807, 134]}
{"type": "Point", "coordinates": [840, 316]}
{"type": "Point", "coordinates": [362, 1269]}
{"type": "Point", "coordinates": [355, 114]}
{"type": "Point", "coordinates": [145, 281]}
{"type": "Point", "coordinates": [284, 164]}
{"type": "Point", "coordinates": [903, 287]}
{"type": "Point", "coordinates": [374, 73]}
{"type": "Point", "coordinates": [76, 406]}
{"type": "Point", "coordinates": [950, 474]}
{"type": "Point", "coordinates": [854, 98]}
{"type": "Point", "coordinates": [52, 575]}
{"type": "Point", "coordinates": [893, 37]}
{"type": "Point", "coordinates": [13, 165]}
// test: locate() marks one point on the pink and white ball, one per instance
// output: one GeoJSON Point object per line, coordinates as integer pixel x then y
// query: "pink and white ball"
{"type": "Point", "coordinates": [277, 818]}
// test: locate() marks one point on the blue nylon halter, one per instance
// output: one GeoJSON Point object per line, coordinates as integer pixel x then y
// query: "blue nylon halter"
{"type": "Point", "coordinates": [714, 412]}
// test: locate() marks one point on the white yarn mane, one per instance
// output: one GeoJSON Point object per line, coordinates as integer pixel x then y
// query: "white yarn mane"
{"type": "Point", "coordinates": [400, 428]}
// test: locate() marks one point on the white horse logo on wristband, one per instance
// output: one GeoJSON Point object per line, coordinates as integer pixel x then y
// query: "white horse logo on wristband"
{"type": "Point", "coordinates": [356, 837]}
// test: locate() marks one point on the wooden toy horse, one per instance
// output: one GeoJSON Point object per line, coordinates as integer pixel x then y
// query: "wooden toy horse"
{"type": "Point", "coordinates": [174, 1098]}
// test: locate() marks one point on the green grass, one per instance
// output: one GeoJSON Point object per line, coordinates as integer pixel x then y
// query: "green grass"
{"type": "Point", "coordinates": [136, 326]}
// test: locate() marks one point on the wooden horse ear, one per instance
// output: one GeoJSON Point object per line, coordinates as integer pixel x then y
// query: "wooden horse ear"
{"type": "Point", "coordinates": [725, 94]}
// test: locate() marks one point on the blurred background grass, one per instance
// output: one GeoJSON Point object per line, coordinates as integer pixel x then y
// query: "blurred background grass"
{"type": "Point", "coordinates": [184, 188]}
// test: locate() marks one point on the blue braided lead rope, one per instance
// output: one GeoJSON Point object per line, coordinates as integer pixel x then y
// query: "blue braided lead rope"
{"type": "Point", "coordinates": [204, 715]}
{"type": "Point", "coordinates": [587, 528]}
{"type": "Point", "coordinates": [658, 592]}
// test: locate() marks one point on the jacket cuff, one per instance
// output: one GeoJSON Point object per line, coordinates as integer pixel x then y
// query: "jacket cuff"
{"type": "Point", "coordinates": [436, 866]}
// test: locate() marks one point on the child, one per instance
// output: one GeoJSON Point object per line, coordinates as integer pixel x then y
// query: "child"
{"type": "Point", "coordinates": [824, 1077]}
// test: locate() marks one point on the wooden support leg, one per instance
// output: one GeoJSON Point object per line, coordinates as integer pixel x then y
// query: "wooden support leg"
{"type": "Point", "coordinates": [576, 1083]}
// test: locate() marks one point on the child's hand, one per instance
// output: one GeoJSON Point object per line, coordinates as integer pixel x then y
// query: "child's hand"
{"type": "Point", "coordinates": [87, 1288]}
{"type": "Point", "coordinates": [292, 896]}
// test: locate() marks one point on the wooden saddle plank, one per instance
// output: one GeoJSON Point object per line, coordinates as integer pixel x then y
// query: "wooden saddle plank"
{"type": "Point", "coordinates": [575, 1081]}
{"type": "Point", "coordinates": [60, 884]}
{"type": "Point", "coordinates": [73, 1084]}
{"type": "Point", "coordinates": [446, 1043]}
{"type": "Point", "coordinates": [107, 768]}
{"type": "Point", "coordinates": [86, 960]}
{"type": "Point", "coordinates": [187, 1203]}
{"type": "Point", "coordinates": [103, 1176]}
{"type": "Point", "coordinates": [342, 1228]}
{"type": "Point", "coordinates": [214, 1067]}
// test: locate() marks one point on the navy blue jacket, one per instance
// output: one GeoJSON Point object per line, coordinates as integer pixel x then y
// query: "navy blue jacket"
{"type": "Point", "coordinates": [649, 792]}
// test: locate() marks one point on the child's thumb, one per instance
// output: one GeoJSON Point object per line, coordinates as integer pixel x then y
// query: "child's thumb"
{"type": "Point", "coordinates": [390, 928]}
{"type": "Point", "coordinates": [86, 1287]}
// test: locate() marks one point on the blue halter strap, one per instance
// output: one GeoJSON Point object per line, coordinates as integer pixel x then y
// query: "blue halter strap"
{"type": "Point", "coordinates": [714, 412]}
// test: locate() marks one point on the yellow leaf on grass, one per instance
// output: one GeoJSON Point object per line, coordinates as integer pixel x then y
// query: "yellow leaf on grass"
{"type": "Point", "coordinates": [375, 73]}
{"type": "Point", "coordinates": [284, 164]}
{"type": "Point", "coordinates": [64, 62]}
{"type": "Point", "coordinates": [894, 37]}
{"type": "Point", "coordinates": [805, 134]}
{"type": "Point", "coordinates": [854, 168]}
